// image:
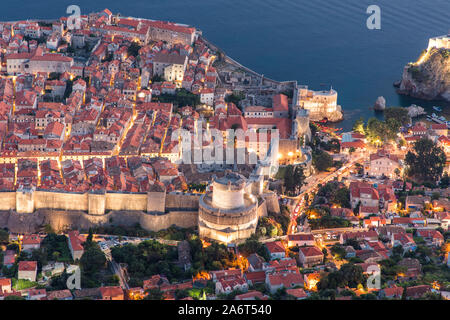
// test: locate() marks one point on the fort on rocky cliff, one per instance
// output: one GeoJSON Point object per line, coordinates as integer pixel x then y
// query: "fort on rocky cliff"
{"type": "Point", "coordinates": [429, 77]}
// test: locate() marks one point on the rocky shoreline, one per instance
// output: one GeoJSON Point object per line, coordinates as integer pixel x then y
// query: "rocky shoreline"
{"type": "Point", "coordinates": [428, 79]}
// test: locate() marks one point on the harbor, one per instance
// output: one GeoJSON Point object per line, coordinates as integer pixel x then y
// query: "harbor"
{"type": "Point", "coordinates": [438, 119]}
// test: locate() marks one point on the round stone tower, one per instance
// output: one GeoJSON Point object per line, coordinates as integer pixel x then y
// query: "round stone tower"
{"type": "Point", "coordinates": [228, 192]}
{"type": "Point", "coordinates": [228, 212]}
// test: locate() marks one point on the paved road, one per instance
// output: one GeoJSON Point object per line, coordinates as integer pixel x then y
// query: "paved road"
{"type": "Point", "coordinates": [312, 186]}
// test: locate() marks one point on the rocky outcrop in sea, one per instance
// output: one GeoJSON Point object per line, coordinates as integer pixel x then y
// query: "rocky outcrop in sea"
{"type": "Point", "coordinates": [380, 104]}
{"type": "Point", "coordinates": [429, 78]}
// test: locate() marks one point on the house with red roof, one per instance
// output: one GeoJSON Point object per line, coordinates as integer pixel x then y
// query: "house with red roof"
{"type": "Point", "coordinates": [59, 295]}
{"type": "Point", "coordinates": [374, 222]}
{"type": "Point", "coordinates": [286, 280]}
{"type": "Point", "coordinates": [405, 240]}
{"type": "Point", "coordinates": [444, 218]}
{"type": "Point", "coordinates": [255, 277]}
{"type": "Point", "coordinates": [382, 164]}
{"type": "Point", "coordinates": [221, 274]}
{"type": "Point", "coordinates": [251, 295]}
{"type": "Point", "coordinates": [365, 211]}
{"type": "Point", "coordinates": [9, 258]}
{"type": "Point", "coordinates": [419, 129]}
{"type": "Point", "coordinates": [370, 235]}
{"type": "Point", "coordinates": [310, 256]}
{"type": "Point", "coordinates": [230, 284]}
{"type": "Point", "coordinates": [5, 285]}
{"type": "Point", "coordinates": [75, 242]}
{"type": "Point", "coordinates": [357, 145]}
{"type": "Point", "coordinates": [412, 267]}
{"type": "Point", "coordinates": [393, 292]}
{"type": "Point", "coordinates": [417, 292]}
{"type": "Point", "coordinates": [37, 294]}
{"type": "Point", "coordinates": [55, 130]}
{"type": "Point", "coordinates": [364, 193]}
{"type": "Point", "coordinates": [431, 236]}
{"type": "Point", "coordinates": [298, 293]}
{"type": "Point", "coordinates": [27, 270]}
{"type": "Point", "coordinates": [301, 239]}
{"type": "Point", "coordinates": [416, 202]}
{"type": "Point", "coordinates": [439, 129]}
{"type": "Point", "coordinates": [31, 242]}
{"type": "Point", "coordinates": [276, 250]}
{"type": "Point", "coordinates": [112, 293]}
{"type": "Point", "coordinates": [280, 106]}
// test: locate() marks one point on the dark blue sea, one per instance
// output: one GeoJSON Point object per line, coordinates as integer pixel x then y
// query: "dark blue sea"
{"type": "Point", "coordinates": [316, 42]}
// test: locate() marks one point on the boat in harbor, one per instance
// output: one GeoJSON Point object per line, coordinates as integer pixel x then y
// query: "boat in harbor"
{"type": "Point", "coordinates": [437, 109]}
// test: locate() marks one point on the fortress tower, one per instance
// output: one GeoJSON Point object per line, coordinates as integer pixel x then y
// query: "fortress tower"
{"type": "Point", "coordinates": [440, 42]}
{"type": "Point", "coordinates": [301, 125]}
{"type": "Point", "coordinates": [228, 212]}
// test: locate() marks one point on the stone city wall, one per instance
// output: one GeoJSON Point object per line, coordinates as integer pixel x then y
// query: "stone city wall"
{"type": "Point", "coordinates": [28, 211]}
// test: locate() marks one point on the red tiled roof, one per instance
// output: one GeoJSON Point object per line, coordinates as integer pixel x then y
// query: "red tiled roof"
{"type": "Point", "coordinates": [27, 265]}
{"type": "Point", "coordinates": [393, 291]}
{"type": "Point", "coordinates": [275, 247]}
{"type": "Point", "coordinates": [357, 144]}
{"type": "Point", "coordinates": [52, 57]}
{"type": "Point", "coordinates": [112, 292]}
{"type": "Point", "coordinates": [301, 237]}
{"type": "Point", "coordinates": [287, 279]}
{"type": "Point", "coordinates": [280, 102]}
{"type": "Point", "coordinates": [298, 293]}
{"type": "Point", "coordinates": [311, 251]}
{"type": "Point", "coordinates": [75, 241]}
{"type": "Point", "coordinates": [256, 277]}
{"type": "Point", "coordinates": [31, 239]}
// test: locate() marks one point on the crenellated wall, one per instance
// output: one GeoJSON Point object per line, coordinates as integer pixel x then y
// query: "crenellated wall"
{"type": "Point", "coordinates": [28, 210]}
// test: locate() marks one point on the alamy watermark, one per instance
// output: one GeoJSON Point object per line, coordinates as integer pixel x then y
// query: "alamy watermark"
{"type": "Point", "coordinates": [233, 146]}
{"type": "Point", "coordinates": [74, 20]}
{"type": "Point", "coordinates": [74, 280]}
{"type": "Point", "coordinates": [374, 20]}
{"type": "Point", "coordinates": [374, 280]}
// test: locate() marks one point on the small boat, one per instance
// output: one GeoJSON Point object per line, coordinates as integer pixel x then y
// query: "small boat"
{"type": "Point", "coordinates": [437, 109]}
{"type": "Point", "coordinates": [442, 119]}
{"type": "Point", "coordinates": [434, 115]}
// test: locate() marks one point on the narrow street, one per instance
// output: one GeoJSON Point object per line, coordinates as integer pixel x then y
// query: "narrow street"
{"type": "Point", "coordinates": [311, 186]}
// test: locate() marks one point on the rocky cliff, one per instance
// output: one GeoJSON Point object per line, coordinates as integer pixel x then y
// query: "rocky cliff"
{"type": "Point", "coordinates": [429, 77]}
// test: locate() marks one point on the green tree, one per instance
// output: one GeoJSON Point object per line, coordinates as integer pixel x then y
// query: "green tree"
{"type": "Point", "coordinates": [294, 178]}
{"type": "Point", "coordinates": [342, 197]}
{"type": "Point", "coordinates": [358, 126]}
{"type": "Point", "coordinates": [253, 246]}
{"type": "Point", "coordinates": [375, 130]}
{"type": "Point", "coordinates": [133, 49]}
{"type": "Point", "coordinates": [338, 251]}
{"type": "Point", "coordinates": [322, 161]}
{"type": "Point", "coordinates": [235, 98]}
{"type": "Point", "coordinates": [92, 260]}
{"type": "Point", "coordinates": [426, 162]}
{"type": "Point", "coordinates": [397, 113]}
